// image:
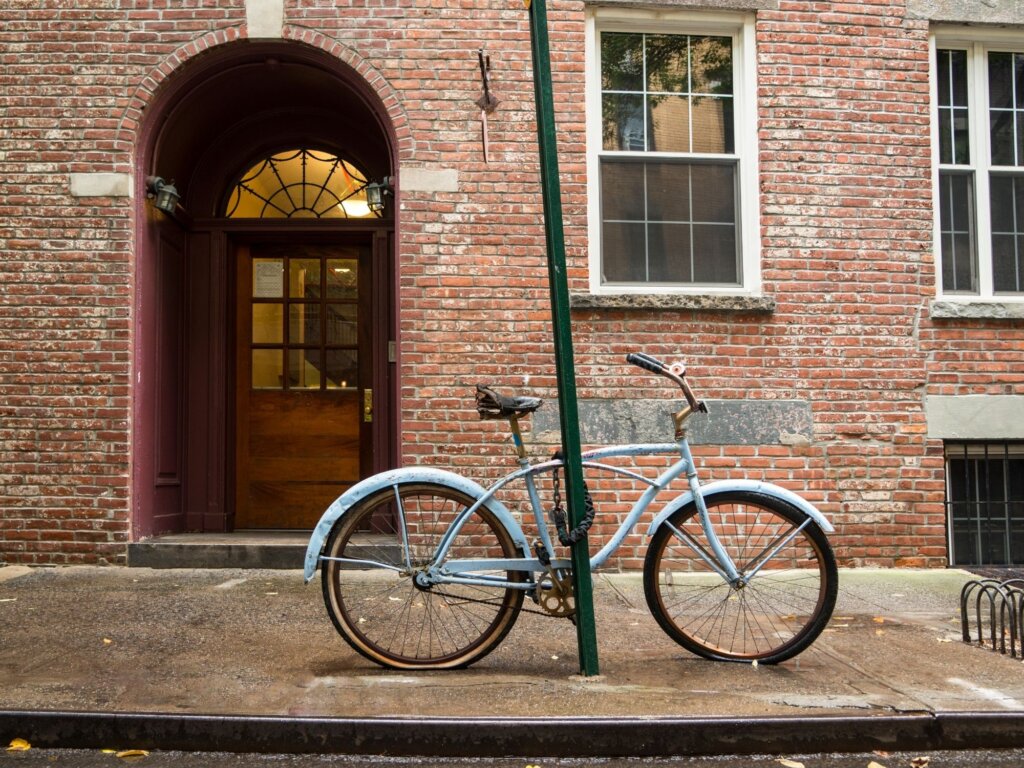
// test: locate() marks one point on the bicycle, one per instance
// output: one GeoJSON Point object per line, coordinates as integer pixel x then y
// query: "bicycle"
{"type": "Point", "coordinates": [423, 568]}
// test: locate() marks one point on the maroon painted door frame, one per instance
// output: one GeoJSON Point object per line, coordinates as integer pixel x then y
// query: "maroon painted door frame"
{"type": "Point", "coordinates": [220, 112]}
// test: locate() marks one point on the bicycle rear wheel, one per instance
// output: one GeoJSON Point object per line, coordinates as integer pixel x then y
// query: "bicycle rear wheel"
{"type": "Point", "coordinates": [771, 618]}
{"type": "Point", "coordinates": [382, 613]}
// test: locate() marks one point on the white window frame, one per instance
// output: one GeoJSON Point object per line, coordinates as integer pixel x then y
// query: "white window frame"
{"type": "Point", "coordinates": [741, 28]}
{"type": "Point", "coordinates": [978, 43]}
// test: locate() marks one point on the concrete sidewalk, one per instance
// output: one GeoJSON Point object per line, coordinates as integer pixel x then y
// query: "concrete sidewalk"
{"type": "Point", "coordinates": [259, 643]}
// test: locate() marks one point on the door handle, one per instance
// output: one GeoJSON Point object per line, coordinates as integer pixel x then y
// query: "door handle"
{"type": "Point", "coordinates": [367, 405]}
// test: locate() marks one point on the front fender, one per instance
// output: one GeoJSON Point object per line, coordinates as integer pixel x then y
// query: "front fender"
{"type": "Point", "coordinates": [390, 479]}
{"type": "Point", "coordinates": [711, 490]}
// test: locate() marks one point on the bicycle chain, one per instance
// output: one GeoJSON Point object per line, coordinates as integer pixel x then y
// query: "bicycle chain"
{"type": "Point", "coordinates": [570, 616]}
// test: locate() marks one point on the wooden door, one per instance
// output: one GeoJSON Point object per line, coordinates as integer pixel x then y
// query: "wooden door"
{"type": "Point", "coordinates": [303, 397]}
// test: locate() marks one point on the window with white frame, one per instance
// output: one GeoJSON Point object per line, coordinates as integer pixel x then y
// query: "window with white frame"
{"type": "Point", "coordinates": [979, 97]}
{"type": "Point", "coordinates": [671, 153]}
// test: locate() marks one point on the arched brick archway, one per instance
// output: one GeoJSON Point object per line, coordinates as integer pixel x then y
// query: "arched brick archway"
{"type": "Point", "coordinates": [201, 124]}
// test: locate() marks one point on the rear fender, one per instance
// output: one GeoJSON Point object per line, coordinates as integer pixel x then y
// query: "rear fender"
{"type": "Point", "coordinates": [397, 477]}
{"type": "Point", "coordinates": [720, 487]}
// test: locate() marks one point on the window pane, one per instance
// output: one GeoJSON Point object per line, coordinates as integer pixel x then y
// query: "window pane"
{"type": "Point", "coordinates": [622, 62]}
{"type": "Point", "coordinates": [952, 74]}
{"type": "Point", "coordinates": [717, 199]}
{"type": "Point", "coordinates": [956, 222]}
{"type": "Point", "coordinates": [670, 123]}
{"type": "Point", "coordinates": [1000, 80]}
{"type": "Point", "coordinates": [711, 65]}
{"type": "Point", "coordinates": [342, 279]}
{"type": "Point", "coordinates": [712, 122]}
{"type": "Point", "coordinates": [667, 68]}
{"type": "Point", "coordinates": [668, 191]}
{"type": "Point", "coordinates": [1007, 202]}
{"type": "Point", "coordinates": [304, 278]}
{"type": "Point", "coordinates": [623, 253]}
{"type": "Point", "coordinates": [622, 123]}
{"type": "Point", "coordinates": [1003, 143]}
{"type": "Point", "coordinates": [715, 254]}
{"type": "Point", "coordinates": [341, 324]}
{"type": "Point", "coordinates": [304, 324]}
{"type": "Point", "coordinates": [342, 370]}
{"type": "Point", "coordinates": [267, 370]}
{"type": "Point", "coordinates": [670, 260]}
{"type": "Point", "coordinates": [1006, 99]}
{"type": "Point", "coordinates": [622, 191]}
{"type": "Point", "coordinates": [267, 323]}
{"type": "Point", "coordinates": [1006, 263]}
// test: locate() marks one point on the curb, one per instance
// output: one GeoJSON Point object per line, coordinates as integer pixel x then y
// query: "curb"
{"type": "Point", "coordinates": [518, 737]}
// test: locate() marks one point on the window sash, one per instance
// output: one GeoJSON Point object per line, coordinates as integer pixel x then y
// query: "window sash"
{"type": "Point", "coordinates": [981, 243]}
{"type": "Point", "coordinates": [675, 269]}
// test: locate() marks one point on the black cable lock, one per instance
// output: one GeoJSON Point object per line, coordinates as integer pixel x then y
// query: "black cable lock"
{"type": "Point", "coordinates": [568, 538]}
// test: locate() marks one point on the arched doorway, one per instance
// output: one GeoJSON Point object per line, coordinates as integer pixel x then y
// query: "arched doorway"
{"type": "Point", "coordinates": [265, 305]}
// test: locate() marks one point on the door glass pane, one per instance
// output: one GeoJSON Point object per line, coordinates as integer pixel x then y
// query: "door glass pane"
{"type": "Point", "coordinates": [342, 369]}
{"type": "Point", "coordinates": [304, 278]}
{"type": "Point", "coordinates": [304, 369]}
{"type": "Point", "coordinates": [342, 324]}
{"type": "Point", "coordinates": [267, 278]}
{"type": "Point", "coordinates": [304, 324]}
{"type": "Point", "coordinates": [267, 323]}
{"type": "Point", "coordinates": [267, 370]}
{"type": "Point", "coordinates": [342, 279]}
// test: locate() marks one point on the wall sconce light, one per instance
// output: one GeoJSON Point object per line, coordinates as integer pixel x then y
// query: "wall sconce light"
{"type": "Point", "coordinates": [375, 193]}
{"type": "Point", "coordinates": [165, 195]}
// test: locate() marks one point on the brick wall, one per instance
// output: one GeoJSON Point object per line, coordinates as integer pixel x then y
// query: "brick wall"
{"type": "Point", "coordinates": [846, 234]}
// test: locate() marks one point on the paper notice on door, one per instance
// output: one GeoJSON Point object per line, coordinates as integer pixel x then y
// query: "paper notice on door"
{"type": "Point", "coordinates": [268, 279]}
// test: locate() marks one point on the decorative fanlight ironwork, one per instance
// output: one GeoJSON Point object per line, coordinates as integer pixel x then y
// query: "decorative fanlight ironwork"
{"type": "Point", "coordinates": [301, 184]}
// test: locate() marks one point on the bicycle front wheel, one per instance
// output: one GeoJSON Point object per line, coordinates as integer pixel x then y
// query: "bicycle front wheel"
{"type": "Point", "coordinates": [371, 560]}
{"type": "Point", "coordinates": [769, 618]}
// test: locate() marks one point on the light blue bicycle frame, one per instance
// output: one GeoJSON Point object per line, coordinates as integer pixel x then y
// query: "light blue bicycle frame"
{"type": "Point", "coordinates": [469, 571]}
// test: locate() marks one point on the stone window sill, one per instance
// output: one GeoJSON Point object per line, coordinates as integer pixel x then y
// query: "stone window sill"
{"type": "Point", "coordinates": [673, 302]}
{"type": "Point", "coordinates": [977, 310]}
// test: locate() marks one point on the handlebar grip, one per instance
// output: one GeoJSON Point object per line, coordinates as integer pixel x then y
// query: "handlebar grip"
{"type": "Point", "coordinates": [646, 362]}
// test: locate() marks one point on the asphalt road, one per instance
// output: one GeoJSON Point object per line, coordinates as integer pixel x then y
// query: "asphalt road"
{"type": "Point", "coordinates": [49, 758]}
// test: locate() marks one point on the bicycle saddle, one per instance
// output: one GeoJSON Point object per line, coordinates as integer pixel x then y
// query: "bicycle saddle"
{"type": "Point", "coordinates": [491, 405]}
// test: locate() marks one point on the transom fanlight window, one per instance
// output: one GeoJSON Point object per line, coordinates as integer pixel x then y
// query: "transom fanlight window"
{"type": "Point", "coordinates": [301, 184]}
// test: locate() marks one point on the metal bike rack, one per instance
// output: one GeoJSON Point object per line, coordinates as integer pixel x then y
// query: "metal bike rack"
{"type": "Point", "coordinates": [998, 614]}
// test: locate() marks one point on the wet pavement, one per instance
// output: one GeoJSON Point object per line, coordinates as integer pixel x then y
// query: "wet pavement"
{"type": "Point", "coordinates": [259, 643]}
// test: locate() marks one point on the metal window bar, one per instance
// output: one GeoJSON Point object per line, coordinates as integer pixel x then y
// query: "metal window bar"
{"type": "Point", "coordinates": [985, 502]}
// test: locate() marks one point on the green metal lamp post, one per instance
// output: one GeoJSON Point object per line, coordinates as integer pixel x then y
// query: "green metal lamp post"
{"type": "Point", "coordinates": [565, 367]}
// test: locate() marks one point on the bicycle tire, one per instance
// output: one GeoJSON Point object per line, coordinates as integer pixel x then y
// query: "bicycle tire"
{"type": "Point", "coordinates": [775, 616]}
{"type": "Point", "coordinates": [383, 614]}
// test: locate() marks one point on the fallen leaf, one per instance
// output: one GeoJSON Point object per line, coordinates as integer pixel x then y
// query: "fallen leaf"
{"type": "Point", "coordinates": [878, 620]}
{"type": "Point", "coordinates": [880, 753]}
{"type": "Point", "coordinates": [842, 618]}
{"type": "Point", "coordinates": [19, 745]}
{"type": "Point", "coordinates": [879, 632]}
{"type": "Point", "coordinates": [132, 753]}
{"type": "Point", "coordinates": [554, 658]}
{"type": "Point", "coordinates": [754, 663]}
{"type": "Point", "coordinates": [944, 639]}
{"type": "Point", "coordinates": [873, 764]}
{"type": "Point", "coordinates": [8, 599]}
{"type": "Point", "coordinates": [920, 762]}
{"type": "Point", "coordinates": [107, 641]}
{"type": "Point", "coordinates": [270, 593]}
{"type": "Point", "coordinates": [790, 763]}
{"type": "Point", "coordinates": [108, 751]}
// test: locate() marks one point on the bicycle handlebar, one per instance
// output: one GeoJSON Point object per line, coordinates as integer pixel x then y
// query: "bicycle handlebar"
{"type": "Point", "coordinates": [654, 365]}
